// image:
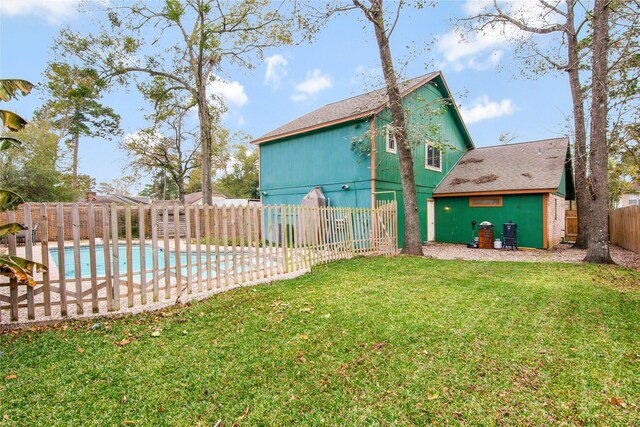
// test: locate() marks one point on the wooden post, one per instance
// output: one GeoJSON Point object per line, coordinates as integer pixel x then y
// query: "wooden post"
{"type": "Point", "coordinates": [165, 251]}
{"type": "Point", "coordinates": [142, 230]}
{"type": "Point", "coordinates": [196, 216]}
{"type": "Point", "coordinates": [28, 249]}
{"type": "Point", "coordinates": [207, 240]}
{"type": "Point", "coordinates": [225, 239]}
{"type": "Point", "coordinates": [13, 283]}
{"type": "Point", "coordinates": [154, 252]}
{"type": "Point", "coordinates": [91, 219]}
{"type": "Point", "coordinates": [187, 230]}
{"type": "Point", "coordinates": [107, 256]}
{"type": "Point", "coordinates": [176, 252]}
{"type": "Point", "coordinates": [234, 243]}
{"type": "Point", "coordinates": [129, 251]}
{"type": "Point", "coordinates": [44, 244]}
{"type": "Point", "coordinates": [61, 270]}
{"type": "Point", "coordinates": [115, 246]}
{"type": "Point", "coordinates": [76, 258]}
{"type": "Point", "coordinates": [283, 238]}
{"type": "Point", "coordinates": [216, 239]}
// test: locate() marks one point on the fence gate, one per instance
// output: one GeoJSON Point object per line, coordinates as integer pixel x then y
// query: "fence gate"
{"type": "Point", "coordinates": [571, 226]}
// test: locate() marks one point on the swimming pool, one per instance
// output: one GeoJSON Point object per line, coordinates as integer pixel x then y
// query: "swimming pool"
{"type": "Point", "coordinates": [226, 261]}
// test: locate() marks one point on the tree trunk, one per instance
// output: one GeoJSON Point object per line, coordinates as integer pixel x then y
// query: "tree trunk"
{"type": "Point", "coordinates": [205, 145]}
{"type": "Point", "coordinates": [580, 142]}
{"type": "Point", "coordinates": [412, 241]}
{"type": "Point", "coordinates": [74, 160]}
{"type": "Point", "coordinates": [598, 247]}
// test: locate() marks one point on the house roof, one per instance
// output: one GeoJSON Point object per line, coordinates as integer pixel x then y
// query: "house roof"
{"type": "Point", "coordinates": [118, 198]}
{"type": "Point", "coordinates": [522, 167]}
{"type": "Point", "coordinates": [357, 107]}
{"type": "Point", "coordinates": [192, 198]}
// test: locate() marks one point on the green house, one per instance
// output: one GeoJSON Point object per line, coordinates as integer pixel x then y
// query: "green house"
{"type": "Point", "coordinates": [331, 148]}
{"type": "Point", "coordinates": [347, 149]}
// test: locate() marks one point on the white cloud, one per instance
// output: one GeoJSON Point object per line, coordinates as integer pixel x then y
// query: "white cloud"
{"type": "Point", "coordinates": [484, 48]}
{"type": "Point", "coordinates": [54, 11]}
{"type": "Point", "coordinates": [315, 82]}
{"type": "Point", "coordinates": [276, 70]}
{"type": "Point", "coordinates": [483, 109]}
{"type": "Point", "coordinates": [232, 92]}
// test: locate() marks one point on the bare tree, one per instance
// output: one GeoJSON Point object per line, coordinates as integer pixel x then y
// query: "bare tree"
{"type": "Point", "coordinates": [173, 152]}
{"type": "Point", "coordinates": [553, 18]}
{"type": "Point", "coordinates": [185, 42]}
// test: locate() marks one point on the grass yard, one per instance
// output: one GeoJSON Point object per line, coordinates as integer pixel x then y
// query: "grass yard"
{"type": "Point", "coordinates": [380, 341]}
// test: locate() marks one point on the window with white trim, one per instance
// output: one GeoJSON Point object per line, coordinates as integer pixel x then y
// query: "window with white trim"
{"type": "Point", "coordinates": [392, 146]}
{"type": "Point", "coordinates": [432, 157]}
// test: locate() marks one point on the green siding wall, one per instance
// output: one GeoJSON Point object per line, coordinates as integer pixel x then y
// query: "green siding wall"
{"type": "Point", "coordinates": [290, 168]}
{"type": "Point", "coordinates": [453, 225]}
{"type": "Point", "coordinates": [445, 130]}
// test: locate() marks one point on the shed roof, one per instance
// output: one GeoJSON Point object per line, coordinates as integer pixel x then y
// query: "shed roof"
{"type": "Point", "coordinates": [521, 167]}
{"type": "Point", "coordinates": [349, 109]}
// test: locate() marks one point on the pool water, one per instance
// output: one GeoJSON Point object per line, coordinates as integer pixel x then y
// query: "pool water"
{"type": "Point", "coordinates": [226, 261]}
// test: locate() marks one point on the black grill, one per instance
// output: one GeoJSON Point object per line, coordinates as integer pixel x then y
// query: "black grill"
{"type": "Point", "coordinates": [509, 234]}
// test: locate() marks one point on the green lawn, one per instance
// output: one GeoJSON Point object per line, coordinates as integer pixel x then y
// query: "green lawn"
{"type": "Point", "coordinates": [381, 341]}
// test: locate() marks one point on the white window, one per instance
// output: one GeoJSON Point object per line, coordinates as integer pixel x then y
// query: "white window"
{"type": "Point", "coordinates": [432, 158]}
{"type": "Point", "coordinates": [634, 199]}
{"type": "Point", "coordinates": [392, 147]}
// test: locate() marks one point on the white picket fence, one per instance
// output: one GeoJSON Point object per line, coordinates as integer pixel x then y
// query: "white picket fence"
{"type": "Point", "coordinates": [122, 261]}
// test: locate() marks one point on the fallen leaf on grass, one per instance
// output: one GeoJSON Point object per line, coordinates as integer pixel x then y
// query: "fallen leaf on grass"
{"type": "Point", "coordinates": [616, 401]}
{"type": "Point", "coordinates": [379, 345]}
{"type": "Point", "coordinates": [161, 410]}
{"type": "Point", "coordinates": [80, 350]}
{"type": "Point", "coordinates": [123, 400]}
{"type": "Point", "coordinates": [122, 342]}
{"type": "Point", "coordinates": [246, 412]}
{"type": "Point", "coordinates": [155, 334]}
{"type": "Point", "coordinates": [128, 422]}
{"type": "Point", "coordinates": [304, 337]}
{"type": "Point", "coordinates": [432, 396]}
{"type": "Point", "coordinates": [11, 377]}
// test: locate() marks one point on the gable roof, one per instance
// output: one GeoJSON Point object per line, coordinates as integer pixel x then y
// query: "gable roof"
{"type": "Point", "coordinates": [192, 198]}
{"type": "Point", "coordinates": [522, 167]}
{"type": "Point", "coordinates": [357, 107]}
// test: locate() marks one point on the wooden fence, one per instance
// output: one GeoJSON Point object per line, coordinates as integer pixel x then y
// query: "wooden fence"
{"type": "Point", "coordinates": [124, 264]}
{"type": "Point", "coordinates": [624, 228]}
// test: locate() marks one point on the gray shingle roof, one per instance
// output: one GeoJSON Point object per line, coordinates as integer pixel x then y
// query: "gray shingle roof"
{"type": "Point", "coordinates": [358, 106]}
{"type": "Point", "coordinates": [534, 165]}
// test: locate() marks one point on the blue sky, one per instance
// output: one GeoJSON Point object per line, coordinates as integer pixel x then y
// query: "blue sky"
{"type": "Point", "coordinates": [342, 62]}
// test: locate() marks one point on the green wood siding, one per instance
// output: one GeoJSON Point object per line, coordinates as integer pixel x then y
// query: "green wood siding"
{"type": "Point", "coordinates": [449, 134]}
{"type": "Point", "coordinates": [453, 225]}
{"type": "Point", "coordinates": [290, 168]}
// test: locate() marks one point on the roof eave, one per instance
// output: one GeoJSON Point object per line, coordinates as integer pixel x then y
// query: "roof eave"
{"type": "Point", "coordinates": [496, 192]}
{"type": "Point", "coordinates": [351, 118]}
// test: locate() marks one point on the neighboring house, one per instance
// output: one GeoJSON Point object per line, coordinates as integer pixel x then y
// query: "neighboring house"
{"type": "Point", "coordinates": [330, 148]}
{"type": "Point", "coordinates": [117, 198]}
{"type": "Point", "coordinates": [630, 199]}
{"type": "Point", "coordinates": [218, 199]}
{"type": "Point", "coordinates": [324, 148]}
{"type": "Point", "coordinates": [196, 198]}
{"type": "Point", "coordinates": [525, 183]}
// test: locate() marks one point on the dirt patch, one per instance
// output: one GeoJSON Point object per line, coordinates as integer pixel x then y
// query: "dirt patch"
{"type": "Point", "coordinates": [561, 253]}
